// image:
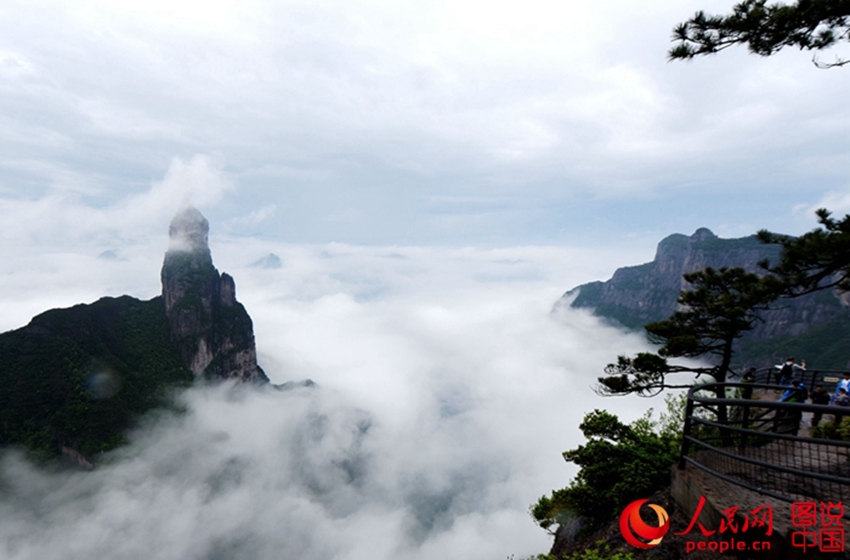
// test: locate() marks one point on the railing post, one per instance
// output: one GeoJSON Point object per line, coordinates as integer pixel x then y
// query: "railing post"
{"type": "Point", "coordinates": [745, 424]}
{"type": "Point", "coordinates": [686, 431]}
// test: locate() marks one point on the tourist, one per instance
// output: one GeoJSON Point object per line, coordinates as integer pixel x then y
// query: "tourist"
{"type": "Point", "coordinates": [842, 400]}
{"type": "Point", "coordinates": [819, 396]}
{"type": "Point", "coordinates": [843, 384]}
{"type": "Point", "coordinates": [789, 370]}
{"type": "Point", "coordinates": [796, 393]}
{"type": "Point", "coordinates": [749, 378]}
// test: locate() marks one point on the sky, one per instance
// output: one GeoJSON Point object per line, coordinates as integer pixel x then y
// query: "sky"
{"type": "Point", "coordinates": [456, 123]}
{"type": "Point", "coordinates": [433, 176]}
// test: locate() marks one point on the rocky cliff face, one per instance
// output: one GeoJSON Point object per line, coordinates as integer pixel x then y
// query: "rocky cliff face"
{"type": "Point", "coordinates": [211, 331]}
{"type": "Point", "coordinates": [637, 295]}
{"type": "Point", "coordinates": [74, 380]}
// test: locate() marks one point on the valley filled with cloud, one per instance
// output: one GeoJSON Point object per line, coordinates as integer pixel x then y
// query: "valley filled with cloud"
{"type": "Point", "coordinates": [445, 390]}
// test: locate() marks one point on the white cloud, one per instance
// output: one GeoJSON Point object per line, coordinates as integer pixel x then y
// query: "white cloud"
{"type": "Point", "coordinates": [200, 181]}
{"type": "Point", "coordinates": [837, 202]}
{"type": "Point", "coordinates": [447, 392]}
{"type": "Point", "coordinates": [243, 223]}
{"type": "Point", "coordinates": [64, 218]}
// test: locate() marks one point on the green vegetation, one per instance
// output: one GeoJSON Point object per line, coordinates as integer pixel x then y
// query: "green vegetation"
{"type": "Point", "coordinates": [599, 552]}
{"type": "Point", "coordinates": [79, 377]}
{"type": "Point", "coordinates": [824, 347]}
{"type": "Point", "coordinates": [766, 29]}
{"type": "Point", "coordinates": [831, 430]}
{"type": "Point", "coordinates": [817, 260]}
{"type": "Point", "coordinates": [618, 464]}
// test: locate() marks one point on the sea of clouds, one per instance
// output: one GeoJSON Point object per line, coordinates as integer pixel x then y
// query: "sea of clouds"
{"type": "Point", "coordinates": [446, 389]}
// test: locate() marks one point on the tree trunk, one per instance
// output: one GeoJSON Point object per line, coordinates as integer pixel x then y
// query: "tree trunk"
{"type": "Point", "coordinates": [720, 392]}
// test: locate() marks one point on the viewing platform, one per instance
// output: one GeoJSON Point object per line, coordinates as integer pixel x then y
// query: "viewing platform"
{"type": "Point", "coordinates": [748, 452]}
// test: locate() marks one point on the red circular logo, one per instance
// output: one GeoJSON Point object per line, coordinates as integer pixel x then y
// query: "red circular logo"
{"type": "Point", "coordinates": [636, 532]}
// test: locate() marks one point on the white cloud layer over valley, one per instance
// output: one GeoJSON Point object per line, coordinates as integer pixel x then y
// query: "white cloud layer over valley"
{"type": "Point", "coordinates": [446, 392]}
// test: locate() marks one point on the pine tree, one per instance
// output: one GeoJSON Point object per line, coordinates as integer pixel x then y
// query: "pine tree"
{"type": "Point", "coordinates": [817, 260]}
{"type": "Point", "coordinates": [766, 29]}
{"type": "Point", "coordinates": [720, 307]}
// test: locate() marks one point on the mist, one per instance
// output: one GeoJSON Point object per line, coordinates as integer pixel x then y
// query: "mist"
{"type": "Point", "coordinates": [445, 391]}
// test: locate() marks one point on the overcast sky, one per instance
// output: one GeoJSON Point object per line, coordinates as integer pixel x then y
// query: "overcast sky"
{"type": "Point", "coordinates": [486, 123]}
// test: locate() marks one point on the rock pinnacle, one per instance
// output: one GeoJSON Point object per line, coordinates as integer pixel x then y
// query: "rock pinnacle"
{"type": "Point", "coordinates": [189, 230]}
{"type": "Point", "coordinates": [209, 328]}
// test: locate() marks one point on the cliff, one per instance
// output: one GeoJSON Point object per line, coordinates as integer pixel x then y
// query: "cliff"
{"type": "Point", "coordinates": [814, 327]}
{"type": "Point", "coordinates": [210, 330]}
{"type": "Point", "coordinates": [74, 380]}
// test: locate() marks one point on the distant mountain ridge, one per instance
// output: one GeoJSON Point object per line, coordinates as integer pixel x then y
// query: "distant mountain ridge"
{"type": "Point", "coordinates": [74, 380]}
{"type": "Point", "coordinates": [816, 327]}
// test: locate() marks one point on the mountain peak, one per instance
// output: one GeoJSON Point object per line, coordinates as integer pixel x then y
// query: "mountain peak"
{"type": "Point", "coordinates": [703, 234]}
{"type": "Point", "coordinates": [646, 293]}
{"type": "Point", "coordinates": [189, 230]}
{"type": "Point", "coordinates": [209, 328]}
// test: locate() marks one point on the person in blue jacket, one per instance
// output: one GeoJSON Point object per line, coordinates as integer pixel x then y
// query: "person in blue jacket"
{"type": "Point", "coordinates": [843, 384]}
{"type": "Point", "coordinates": [797, 392]}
